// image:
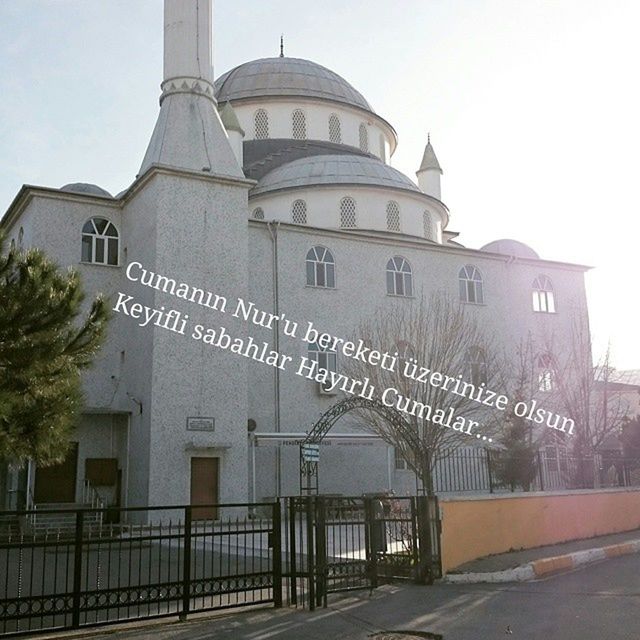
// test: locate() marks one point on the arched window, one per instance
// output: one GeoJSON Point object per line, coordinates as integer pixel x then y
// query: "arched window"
{"type": "Point", "coordinates": [261, 124]}
{"type": "Point", "coordinates": [399, 277]}
{"type": "Point", "coordinates": [471, 285]}
{"type": "Point", "coordinates": [21, 239]}
{"type": "Point", "coordinates": [299, 212]}
{"type": "Point", "coordinates": [475, 364]}
{"type": "Point", "coordinates": [258, 214]}
{"type": "Point", "coordinates": [543, 300]}
{"type": "Point", "coordinates": [364, 137]}
{"type": "Point", "coordinates": [546, 373]}
{"type": "Point", "coordinates": [325, 359]}
{"type": "Point", "coordinates": [335, 132]}
{"type": "Point", "coordinates": [321, 268]}
{"type": "Point", "coordinates": [348, 219]}
{"type": "Point", "coordinates": [100, 242]}
{"type": "Point", "coordinates": [299, 125]}
{"type": "Point", "coordinates": [393, 216]}
{"type": "Point", "coordinates": [427, 225]}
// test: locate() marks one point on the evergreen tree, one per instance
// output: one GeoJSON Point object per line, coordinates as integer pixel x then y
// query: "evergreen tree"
{"type": "Point", "coordinates": [43, 346]}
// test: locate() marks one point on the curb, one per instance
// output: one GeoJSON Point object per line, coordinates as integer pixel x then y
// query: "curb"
{"type": "Point", "coordinates": [546, 566]}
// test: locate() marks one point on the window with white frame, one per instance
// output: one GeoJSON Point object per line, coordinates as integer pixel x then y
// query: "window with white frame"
{"type": "Point", "coordinates": [261, 124]}
{"type": "Point", "coordinates": [100, 242]}
{"type": "Point", "coordinates": [324, 358]}
{"type": "Point", "coordinates": [348, 219]}
{"type": "Point", "coordinates": [427, 225]}
{"type": "Point", "coordinates": [299, 212]}
{"type": "Point", "coordinates": [364, 137]}
{"type": "Point", "coordinates": [258, 214]}
{"type": "Point", "coordinates": [399, 277]}
{"type": "Point", "coordinates": [299, 125]}
{"type": "Point", "coordinates": [393, 216]}
{"type": "Point", "coordinates": [471, 285]}
{"type": "Point", "coordinates": [400, 463]}
{"type": "Point", "coordinates": [321, 268]}
{"type": "Point", "coordinates": [335, 130]}
{"type": "Point", "coordinates": [543, 300]}
{"type": "Point", "coordinates": [475, 363]}
{"type": "Point", "coordinates": [546, 373]}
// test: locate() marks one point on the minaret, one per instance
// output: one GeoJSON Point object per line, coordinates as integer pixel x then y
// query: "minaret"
{"type": "Point", "coordinates": [189, 134]}
{"type": "Point", "coordinates": [429, 172]}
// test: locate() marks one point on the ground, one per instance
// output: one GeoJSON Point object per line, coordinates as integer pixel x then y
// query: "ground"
{"type": "Point", "coordinates": [600, 601]}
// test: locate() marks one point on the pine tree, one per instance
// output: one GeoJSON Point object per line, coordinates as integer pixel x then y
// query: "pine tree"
{"type": "Point", "coordinates": [44, 344]}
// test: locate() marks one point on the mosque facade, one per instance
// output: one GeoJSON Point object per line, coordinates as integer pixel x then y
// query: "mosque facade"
{"type": "Point", "coordinates": [271, 184]}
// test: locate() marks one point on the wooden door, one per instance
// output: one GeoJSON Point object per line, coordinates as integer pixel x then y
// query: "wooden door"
{"type": "Point", "coordinates": [204, 487]}
{"type": "Point", "coordinates": [57, 483]}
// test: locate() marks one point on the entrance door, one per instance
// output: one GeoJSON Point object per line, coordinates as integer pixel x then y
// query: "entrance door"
{"type": "Point", "coordinates": [204, 487]}
{"type": "Point", "coordinates": [58, 482]}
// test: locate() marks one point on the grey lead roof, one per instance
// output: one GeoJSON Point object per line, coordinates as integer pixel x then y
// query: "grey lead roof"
{"type": "Point", "coordinates": [334, 170]}
{"type": "Point", "coordinates": [286, 77]}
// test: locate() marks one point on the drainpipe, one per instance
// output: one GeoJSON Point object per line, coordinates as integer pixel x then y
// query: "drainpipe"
{"type": "Point", "coordinates": [273, 227]}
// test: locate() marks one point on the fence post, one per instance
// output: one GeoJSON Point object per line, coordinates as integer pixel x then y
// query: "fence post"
{"type": "Point", "coordinates": [77, 569]}
{"type": "Point", "coordinates": [540, 470]}
{"type": "Point", "coordinates": [488, 452]}
{"type": "Point", "coordinates": [293, 547]}
{"type": "Point", "coordinates": [424, 575]}
{"type": "Point", "coordinates": [277, 555]}
{"type": "Point", "coordinates": [310, 513]}
{"type": "Point", "coordinates": [186, 567]}
{"type": "Point", "coordinates": [321, 551]}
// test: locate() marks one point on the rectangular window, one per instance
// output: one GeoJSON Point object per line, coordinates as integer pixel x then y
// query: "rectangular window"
{"type": "Point", "coordinates": [87, 242]}
{"type": "Point", "coordinates": [400, 462]}
{"type": "Point", "coordinates": [99, 251]}
{"type": "Point", "coordinates": [331, 278]}
{"type": "Point", "coordinates": [112, 247]}
{"type": "Point", "coordinates": [320, 280]}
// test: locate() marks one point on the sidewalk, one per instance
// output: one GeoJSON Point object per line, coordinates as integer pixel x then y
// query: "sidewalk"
{"type": "Point", "coordinates": [529, 564]}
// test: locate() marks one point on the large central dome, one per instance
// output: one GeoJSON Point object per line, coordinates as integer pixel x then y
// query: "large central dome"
{"type": "Point", "coordinates": [286, 77]}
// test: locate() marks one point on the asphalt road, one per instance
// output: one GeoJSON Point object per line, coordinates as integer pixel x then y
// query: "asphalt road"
{"type": "Point", "coordinates": [600, 601]}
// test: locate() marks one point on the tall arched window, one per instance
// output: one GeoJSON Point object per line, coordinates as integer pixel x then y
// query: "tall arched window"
{"type": "Point", "coordinates": [364, 137]}
{"type": "Point", "coordinates": [258, 214]}
{"type": "Point", "coordinates": [348, 218]}
{"type": "Point", "coordinates": [21, 239]}
{"type": "Point", "coordinates": [299, 212]}
{"type": "Point", "coordinates": [100, 243]}
{"type": "Point", "coordinates": [335, 132]}
{"type": "Point", "coordinates": [393, 216]}
{"type": "Point", "coordinates": [546, 373]}
{"type": "Point", "coordinates": [427, 225]}
{"type": "Point", "coordinates": [399, 277]}
{"type": "Point", "coordinates": [471, 285]}
{"type": "Point", "coordinates": [261, 124]}
{"type": "Point", "coordinates": [475, 366]}
{"type": "Point", "coordinates": [543, 300]}
{"type": "Point", "coordinates": [299, 125]}
{"type": "Point", "coordinates": [321, 268]}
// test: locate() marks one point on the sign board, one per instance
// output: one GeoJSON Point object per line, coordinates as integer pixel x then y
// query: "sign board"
{"type": "Point", "coordinates": [310, 452]}
{"type": "Point", "coordinates": [200, 424]}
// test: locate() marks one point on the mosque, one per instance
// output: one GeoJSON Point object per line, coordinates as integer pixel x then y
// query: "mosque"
{"type": "Point", "coordinates": [272, 184]}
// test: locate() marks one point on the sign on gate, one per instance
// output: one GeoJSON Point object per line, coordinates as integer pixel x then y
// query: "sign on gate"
{"type": "Point", "coordinates": [310, 452]}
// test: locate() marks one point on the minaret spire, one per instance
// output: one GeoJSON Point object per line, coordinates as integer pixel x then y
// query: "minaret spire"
{"type": "Point", "coordinates": [282, 45]}
{"type": "Point", "coordinates": [189, 134]}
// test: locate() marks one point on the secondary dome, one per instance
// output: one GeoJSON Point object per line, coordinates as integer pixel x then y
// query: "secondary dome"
{"type": "Point", "coordinates": [85, 187]}
{"type": "Point", "coordinates": [510, 247]}
{"type": "Point", "coordinates": [286, 77]}
{"type": "Point", "coordinates": [334, 170]}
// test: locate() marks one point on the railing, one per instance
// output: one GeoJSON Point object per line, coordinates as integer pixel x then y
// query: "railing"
{"type": "Point", "coordinates": [166, 561]}
{"type": "Point", "coordinates": [485, 470]}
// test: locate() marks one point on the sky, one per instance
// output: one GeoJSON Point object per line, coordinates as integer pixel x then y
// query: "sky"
{"type": "Point", "coordinates": [533, 108]}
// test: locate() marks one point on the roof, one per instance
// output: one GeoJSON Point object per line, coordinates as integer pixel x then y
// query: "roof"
{"type": "Point", "coordinates": [429, 160]}
{"type": "Point", "coordinates": [285, 76]}
{"type": "Point", "coordinates": [334, 170]}
{"type": "Point", "coordinates": [85, 187]}
{"type": "Point", "coordinates": [510, 247]}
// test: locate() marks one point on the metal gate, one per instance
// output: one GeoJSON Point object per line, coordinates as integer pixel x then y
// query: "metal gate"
{"type": "Point", "coordinates": [334, 544]}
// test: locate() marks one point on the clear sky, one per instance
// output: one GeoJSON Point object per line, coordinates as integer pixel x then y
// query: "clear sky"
{"type": "Point", "coordinates": [533, 108]}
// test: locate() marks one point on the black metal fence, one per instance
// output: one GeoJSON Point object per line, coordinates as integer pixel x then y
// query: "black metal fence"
{"type": "Point", "coordinates": [486, 470]}
{"type": "Point", "coordinates": [68, 569]}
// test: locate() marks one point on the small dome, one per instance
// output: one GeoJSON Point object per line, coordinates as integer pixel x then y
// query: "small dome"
{"type": "Point", "coordinates": [85, 187]}
{"type": "Point", "coordinates": [510, 247]}
{"type": "Point", "coordinates": [331, 170]}
{"type": "Point", "coordinates": [284, 76]}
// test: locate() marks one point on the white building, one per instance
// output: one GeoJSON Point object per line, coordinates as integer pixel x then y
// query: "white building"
{"type": "Point", "coordinates": [272, 184]}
